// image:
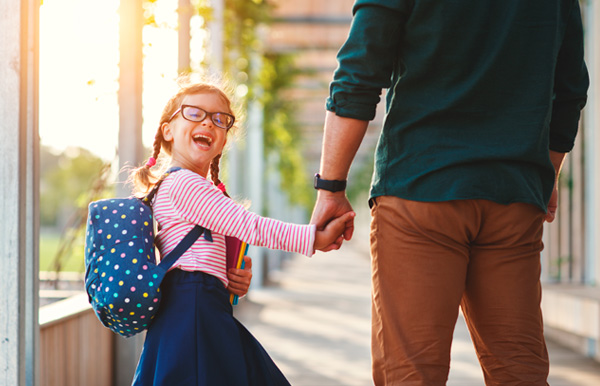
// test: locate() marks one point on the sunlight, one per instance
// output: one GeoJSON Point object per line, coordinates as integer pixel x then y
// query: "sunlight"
{"type": "Point", "coordinates": [79, 72]}
{"type": "Point", "coordinates": [78, 75]}
{"type": "Point", "coordinates": [160, 66]}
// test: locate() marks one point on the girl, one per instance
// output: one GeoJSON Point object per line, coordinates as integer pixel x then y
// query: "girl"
{"type": "Point", "coordinates": [194, 339]}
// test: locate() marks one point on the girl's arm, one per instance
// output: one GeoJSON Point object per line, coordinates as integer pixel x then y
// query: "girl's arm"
{"type": "Point", "coordinates": [198, 201]}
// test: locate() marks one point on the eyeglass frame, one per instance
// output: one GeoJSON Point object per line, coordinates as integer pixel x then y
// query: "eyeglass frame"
{"type": "Point", "coordinates": [207, 114]}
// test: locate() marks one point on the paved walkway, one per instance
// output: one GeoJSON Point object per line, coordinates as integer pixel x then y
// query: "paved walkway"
{"type": "Point", "coordinates": [314, 320]}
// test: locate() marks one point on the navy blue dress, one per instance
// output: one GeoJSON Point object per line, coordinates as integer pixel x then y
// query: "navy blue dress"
{"type": "Point", "coordinates": [194, 340]}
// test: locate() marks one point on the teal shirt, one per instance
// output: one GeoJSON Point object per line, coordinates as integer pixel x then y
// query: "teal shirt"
{"type": "Point", "coordinates": [478, 92]}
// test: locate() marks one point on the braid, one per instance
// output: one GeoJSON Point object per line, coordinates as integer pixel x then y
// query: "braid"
{"type": "Point", "coordinates": [158, 139]}
{"type": "Point", "coordinates": [214, 172]}
{"type": "Point", "coordinates": [142, 178]}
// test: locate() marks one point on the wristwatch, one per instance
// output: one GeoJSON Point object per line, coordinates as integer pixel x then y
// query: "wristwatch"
{"type": "Point", "coordinates": [330, 185]}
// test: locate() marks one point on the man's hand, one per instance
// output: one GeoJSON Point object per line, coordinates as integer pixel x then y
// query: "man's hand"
{"type": "Point", "coordinates": [239, 279]}
{"type": "Point", "coordinates": [328, 207]}
{"type": "Point", "coordinates": [332, 236]}
{"type": "Point", "coordinates": [553, 204]}
{"type": "Point", "coordinates": [557, 161]}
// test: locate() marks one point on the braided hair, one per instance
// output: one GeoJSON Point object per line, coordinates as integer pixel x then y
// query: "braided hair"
{"type": "Point", "coordinates": [214, 174]}
{"type": "Point", "coordinates": [144, 178]}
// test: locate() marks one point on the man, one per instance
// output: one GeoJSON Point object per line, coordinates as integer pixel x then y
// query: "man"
{"type": "Point", "coordinates": [483, 103]}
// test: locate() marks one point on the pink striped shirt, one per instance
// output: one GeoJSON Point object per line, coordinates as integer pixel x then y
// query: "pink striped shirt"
{"type": "Point", "coordinates": [186, 198]}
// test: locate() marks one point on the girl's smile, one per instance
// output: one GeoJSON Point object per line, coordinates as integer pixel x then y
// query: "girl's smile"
{"type": "Point", "coordinates": [203, 140]}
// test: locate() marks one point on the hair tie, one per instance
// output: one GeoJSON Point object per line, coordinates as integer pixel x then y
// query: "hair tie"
{"type": "Point", "coordinates": [151, 162]}
{"type": "Point", "coordinates": [221, 187]}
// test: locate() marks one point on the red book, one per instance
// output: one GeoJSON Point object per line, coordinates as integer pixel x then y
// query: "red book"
{"type": "Point", "coordinates": [236, 250]}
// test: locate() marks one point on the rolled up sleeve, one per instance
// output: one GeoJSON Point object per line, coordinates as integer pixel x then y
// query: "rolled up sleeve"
{"type": "Point", "coordinates": [570, 85]}
{"type": "Point", "coordinates": [367, 58]}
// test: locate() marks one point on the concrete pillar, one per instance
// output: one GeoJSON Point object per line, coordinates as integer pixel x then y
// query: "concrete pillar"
{"type": "Point", "coordinates": [184, 10]}
{"type": "Point", "coordinates": [277, 207]}
{"type": "Point", "coordinates": [591, 124]}
{"type": "Point", "coordinates": [254, 171]}
{"type": "Point", "coordinates": [215, 54]}
{"type": "Point", "coordinates": [19, 193]}
{"type": "Point", "coordinates": [131, 149]}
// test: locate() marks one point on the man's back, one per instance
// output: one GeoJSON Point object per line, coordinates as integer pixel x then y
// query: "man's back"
{"type": "Point", "coordinates": [471, 91]}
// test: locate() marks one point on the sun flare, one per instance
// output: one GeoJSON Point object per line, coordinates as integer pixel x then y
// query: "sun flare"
{"type": "Point", "coordinates": [79, 72]}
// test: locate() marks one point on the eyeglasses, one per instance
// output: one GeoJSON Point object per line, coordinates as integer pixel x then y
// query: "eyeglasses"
{"type": "Point", "coordinates": [196, 114]}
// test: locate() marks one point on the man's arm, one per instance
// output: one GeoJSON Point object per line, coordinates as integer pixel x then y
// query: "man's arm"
{"type": "Point", "coordinates": [366, 62]}
{"type": "Point", "coordinates": [571, 82]}
{"type": "Point", "coordinates": [341, 140]}
{"type": "Point", "coordinates": [570, 95]}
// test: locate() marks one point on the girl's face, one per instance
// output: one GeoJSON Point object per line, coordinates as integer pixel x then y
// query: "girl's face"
{"type": "Point", "coordinates": [195, 144]}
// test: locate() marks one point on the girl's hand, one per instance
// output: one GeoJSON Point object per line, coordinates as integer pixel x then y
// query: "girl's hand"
{"type": "Point", "coordinates": [239, 279]}
{"type": "Point", "coordinates": [333, 234]}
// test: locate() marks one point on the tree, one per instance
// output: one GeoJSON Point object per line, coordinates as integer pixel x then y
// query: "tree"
{"type": "Point", "coordinates": [64, 178]}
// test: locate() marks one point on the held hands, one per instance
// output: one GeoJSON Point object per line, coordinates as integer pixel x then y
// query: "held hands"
{"type": "Point", "coordinates": [334, 219]}
{"type": "Point", "coordinates": [333, 235]}
{"type": "Point", "coordinates": [239, 279]}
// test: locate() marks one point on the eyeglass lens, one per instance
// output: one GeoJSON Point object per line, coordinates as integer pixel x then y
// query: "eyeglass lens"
{"type": "Point", "coordinates": [196, 114]}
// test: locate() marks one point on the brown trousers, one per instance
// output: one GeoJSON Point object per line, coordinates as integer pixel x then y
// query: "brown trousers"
{"type": "Point", "coordinates": [429, 258]}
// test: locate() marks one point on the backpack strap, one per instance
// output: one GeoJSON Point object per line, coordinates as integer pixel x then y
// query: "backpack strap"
{"type": "Point", "coordinates": [147, 199]}
{"type": "Point", "coordinates": [183, 246]}
{"type": "Point", "coordinates": [189, 239]}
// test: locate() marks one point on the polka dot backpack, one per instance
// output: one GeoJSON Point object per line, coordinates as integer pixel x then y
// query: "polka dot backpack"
{"type": "Point", "coordinates": [122, 279]}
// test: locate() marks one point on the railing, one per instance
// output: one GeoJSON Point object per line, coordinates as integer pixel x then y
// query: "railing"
{"type": "Point", "coordinates": [564, 255]}
{"type": "Point", "coordinates": [75, 349]}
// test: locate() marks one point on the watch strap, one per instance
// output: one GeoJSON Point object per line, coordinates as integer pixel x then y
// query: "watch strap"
{"type": "Point", "coordinates": [329, 185]}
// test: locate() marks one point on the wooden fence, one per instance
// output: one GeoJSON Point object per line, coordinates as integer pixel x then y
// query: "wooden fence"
{"type": "Point", "coordinates": [75, 349]}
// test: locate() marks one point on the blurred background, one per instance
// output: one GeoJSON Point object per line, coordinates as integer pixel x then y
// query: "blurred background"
{"type": "Point", "coordinates": [104, 71]}
{"type": "Point", "coordinates": [278, 57]}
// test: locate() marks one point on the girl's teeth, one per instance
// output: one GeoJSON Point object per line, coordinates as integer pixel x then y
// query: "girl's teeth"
{"type": "Point", "coordinates": [208, 140]}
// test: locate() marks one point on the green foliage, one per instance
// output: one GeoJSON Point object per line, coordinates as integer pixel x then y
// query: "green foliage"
{"type": "Point", "coordinates": [268, 83]}
{"type": "Point", "coordinates": [49, 246]}
{"type": "Point", "coordinates": [69, 182]}
{"type": "Point", "coordinates": [63, 178]}
{"type": "Point", "coordinates": [282, 132]}
{"type": "Point", "coordinates": [242, 17]}
{"type": "Point", "coordinates": [266, 76]}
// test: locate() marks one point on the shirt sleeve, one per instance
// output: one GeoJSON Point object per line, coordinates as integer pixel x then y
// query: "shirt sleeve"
{"type": "Point", "coordinates": [198, 201]}
{"type": "Point", "coordinates": [571, 82]}
{"type": "Point", "coordinates": [366, 60]}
